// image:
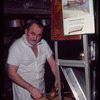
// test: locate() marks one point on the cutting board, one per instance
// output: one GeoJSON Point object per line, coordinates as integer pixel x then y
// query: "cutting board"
{"type": "Point", "coordinates": [56, 98]}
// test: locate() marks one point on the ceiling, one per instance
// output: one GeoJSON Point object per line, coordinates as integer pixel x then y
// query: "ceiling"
{"type": "Point", "coordinates": [27, 7]}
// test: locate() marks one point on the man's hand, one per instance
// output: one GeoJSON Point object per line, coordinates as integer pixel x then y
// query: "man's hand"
{"type": "Point", "coordinates": [36, 93]}
{"type": "Point", "coordinates": [61, 84]}
{"type": "Point", "coordinates": [56, 85]}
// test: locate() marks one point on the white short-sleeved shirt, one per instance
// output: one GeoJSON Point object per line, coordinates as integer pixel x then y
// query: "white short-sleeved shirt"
{"type": "Point", "coordinates": [31, 69]}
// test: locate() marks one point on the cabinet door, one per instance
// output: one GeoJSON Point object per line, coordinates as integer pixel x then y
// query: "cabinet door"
{"type": "Point", "coordinates": [57, 23]}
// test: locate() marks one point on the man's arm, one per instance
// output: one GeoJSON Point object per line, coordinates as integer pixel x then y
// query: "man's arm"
{"type": "Point", "coordinates": [12, 71]}
{"type": "Point", "coordinates": [52, 64]}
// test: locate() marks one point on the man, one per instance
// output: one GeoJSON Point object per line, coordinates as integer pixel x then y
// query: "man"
{"type": "Point", "coordinates": [26, 60]}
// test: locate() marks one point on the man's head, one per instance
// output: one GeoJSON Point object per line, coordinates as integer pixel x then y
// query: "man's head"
{"type": "Point", "coordinates": [34, 31]}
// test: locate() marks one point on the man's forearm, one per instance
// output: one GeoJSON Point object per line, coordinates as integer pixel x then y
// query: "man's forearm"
{"type": "Point", "coordinates": [20, 81]}
{"type": "Point", "coordinates": [52, 64]}
{"type": "Point", "coordinates": [53, 69]}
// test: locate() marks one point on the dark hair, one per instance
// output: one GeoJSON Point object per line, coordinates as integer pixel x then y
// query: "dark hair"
{"type": "Point", "coordinates": [31, 22]}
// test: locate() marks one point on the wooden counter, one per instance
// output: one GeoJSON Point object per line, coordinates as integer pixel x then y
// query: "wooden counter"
{"type": "Point", "coordinates": [56, 98]}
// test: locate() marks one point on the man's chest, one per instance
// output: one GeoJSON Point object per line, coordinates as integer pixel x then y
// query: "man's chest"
{"type": "Point", "coordinates": [35, 50]}
{"type": "Point", "coordinates": [30, 55]}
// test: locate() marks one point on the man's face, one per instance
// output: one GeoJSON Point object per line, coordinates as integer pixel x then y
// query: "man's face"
{"type": "Point", "coordinates": [34, 34]}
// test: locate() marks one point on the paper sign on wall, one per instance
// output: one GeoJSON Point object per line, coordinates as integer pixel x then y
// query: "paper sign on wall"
{"type": "Point", "coordinates": [78, 17]}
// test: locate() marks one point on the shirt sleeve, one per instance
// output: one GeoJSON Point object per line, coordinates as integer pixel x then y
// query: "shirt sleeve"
{"type": "Point", "coordinates": [13, 56]}
{"type": "Point", "coordinates": [48, 50]}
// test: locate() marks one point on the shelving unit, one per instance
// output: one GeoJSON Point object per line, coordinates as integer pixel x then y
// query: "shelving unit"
{"type": "Point", "coordinates": [79, 81]}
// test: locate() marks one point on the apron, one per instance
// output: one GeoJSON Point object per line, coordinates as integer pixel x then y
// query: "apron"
{"type": "Point", "coordinates": [32, 73]}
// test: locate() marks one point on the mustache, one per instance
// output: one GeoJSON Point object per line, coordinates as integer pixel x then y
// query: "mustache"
{"type": "Point", "coordinates": [34, 40]}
